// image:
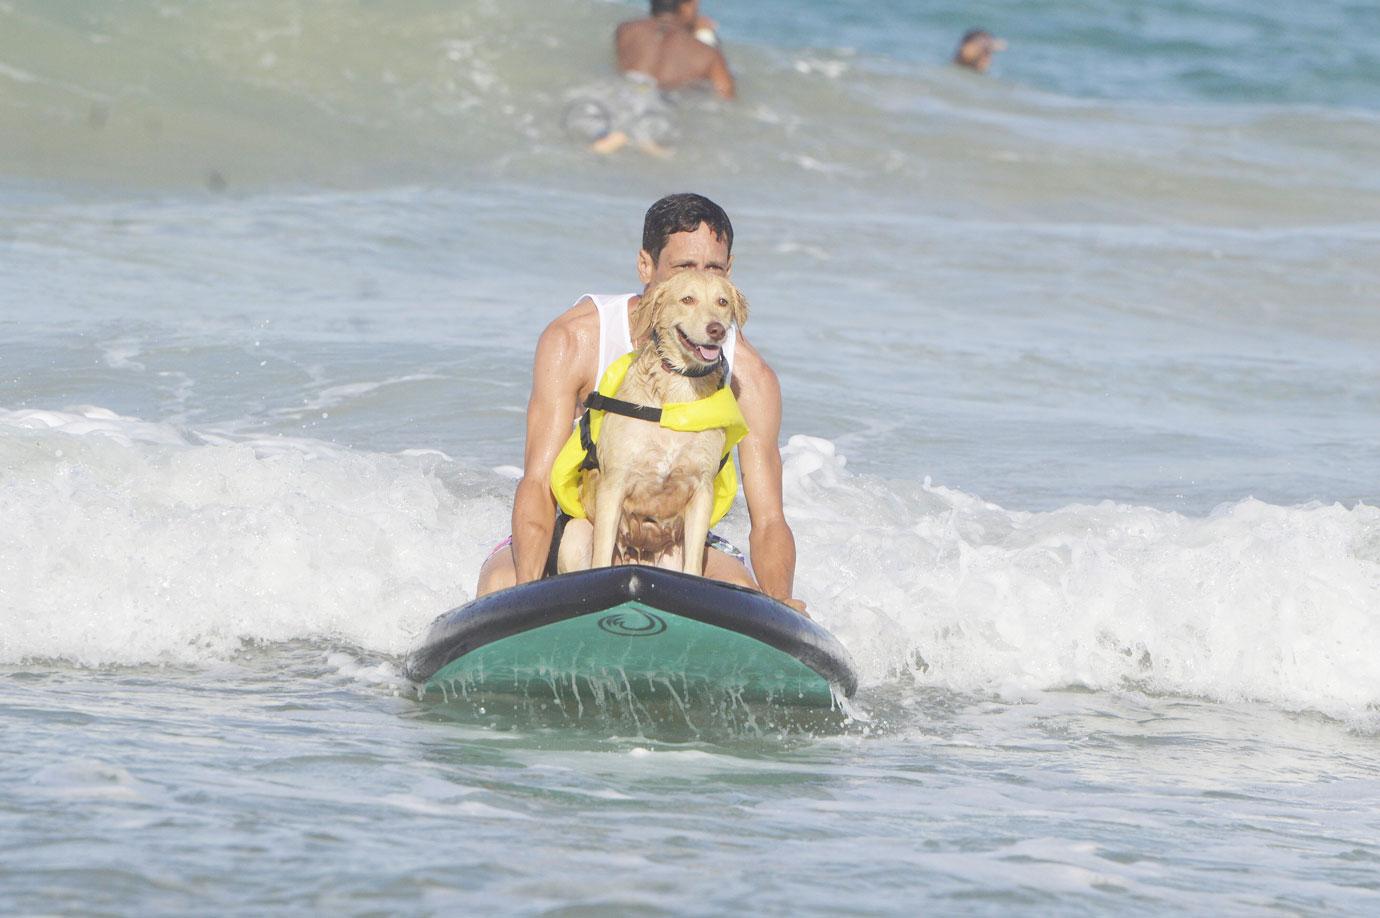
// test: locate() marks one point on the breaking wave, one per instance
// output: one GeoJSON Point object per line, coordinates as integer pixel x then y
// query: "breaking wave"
{"type": "Point", "coordinates": [132, 542]}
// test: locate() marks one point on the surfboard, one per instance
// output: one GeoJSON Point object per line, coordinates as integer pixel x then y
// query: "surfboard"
{"type": "Point", "coordinates": [637, 632]}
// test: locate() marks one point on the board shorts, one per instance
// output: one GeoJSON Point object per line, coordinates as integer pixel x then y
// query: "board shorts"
{"type": "Point", "coordinates": [631, 103]}
{"type": "Point", "coordinates": [713, 540]}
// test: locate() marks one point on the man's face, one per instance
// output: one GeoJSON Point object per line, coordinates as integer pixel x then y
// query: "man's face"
{"type": "Point", "coordinates": [700, 250]}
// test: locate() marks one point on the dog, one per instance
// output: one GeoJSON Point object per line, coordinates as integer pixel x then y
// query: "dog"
{"type": "Point", "coordinates": [652, 497]}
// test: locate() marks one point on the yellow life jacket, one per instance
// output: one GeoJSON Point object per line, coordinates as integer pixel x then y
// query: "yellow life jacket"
{"type": "Point", "coordinates": [579, 453]}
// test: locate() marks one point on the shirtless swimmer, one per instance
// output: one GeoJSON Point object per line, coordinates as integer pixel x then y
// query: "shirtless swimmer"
{"type": "Point", "coordinates": [674, 47]}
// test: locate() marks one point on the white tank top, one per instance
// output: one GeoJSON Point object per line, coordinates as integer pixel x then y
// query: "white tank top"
{"type": "Point", "coordinates": [615, 337]}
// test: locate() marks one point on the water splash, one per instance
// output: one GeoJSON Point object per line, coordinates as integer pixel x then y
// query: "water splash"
{"type": "Point", "coordinates": [134, 542]}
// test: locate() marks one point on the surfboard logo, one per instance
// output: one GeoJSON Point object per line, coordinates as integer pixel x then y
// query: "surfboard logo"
{"type": "Point", "coordinates": [632, 624]}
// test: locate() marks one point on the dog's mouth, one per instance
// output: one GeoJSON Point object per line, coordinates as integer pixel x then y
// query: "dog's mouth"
{"type": "Point", "coordinates": [707, 353]}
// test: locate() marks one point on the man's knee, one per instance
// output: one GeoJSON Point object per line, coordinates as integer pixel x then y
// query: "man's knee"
{"type": "Point", "coordinates": [577, 543]}
{"type": "Point", "coordinates": [497, 573]}
{"type": "Point", "coordinates": [719, 565]}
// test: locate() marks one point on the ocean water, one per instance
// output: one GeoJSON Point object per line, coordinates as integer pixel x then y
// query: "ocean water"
{"type": "Point", "coordinates": [1081, 446]}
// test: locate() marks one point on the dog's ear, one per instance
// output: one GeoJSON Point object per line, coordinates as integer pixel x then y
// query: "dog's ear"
{"type": "Point", "coordinates": [644, 317]}
{"type": "Point", "coordinates": [740, 306]}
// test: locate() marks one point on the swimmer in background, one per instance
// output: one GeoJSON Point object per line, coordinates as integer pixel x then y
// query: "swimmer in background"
{"type": "Point", "coordinates": [673, 47]}
{"type": "Point", "coordinates": [976, 48]}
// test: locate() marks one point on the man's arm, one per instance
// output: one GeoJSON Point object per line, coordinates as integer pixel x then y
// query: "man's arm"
{"type": "Point", "coordinates": [555, 389]}
{"type": "Point", "coordinates": [771, 540]}
{"type": "Point", "coordinates": [720, 78]}
{"type": "Point", "coordinates": [718, 75]}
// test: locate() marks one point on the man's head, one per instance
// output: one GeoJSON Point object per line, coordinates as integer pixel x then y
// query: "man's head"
{"type": "Point", "coordinates": [660, 7]}
{"type": "Point", "coordinates": [684, 232]}
{"type": "Point", "coordinates": [976, 48]}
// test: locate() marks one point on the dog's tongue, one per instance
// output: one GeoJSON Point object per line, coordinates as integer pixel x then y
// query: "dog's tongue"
{"type": "Point", "coordinates": [708, 352]}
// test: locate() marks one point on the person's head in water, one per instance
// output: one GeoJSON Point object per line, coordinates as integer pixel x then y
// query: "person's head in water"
{"type": "Point", "coordinates": [687, 10]}
{"type": "Point", "coordinates": [976, 48]}
{"type": "Point", "coordinates": [684, 232]}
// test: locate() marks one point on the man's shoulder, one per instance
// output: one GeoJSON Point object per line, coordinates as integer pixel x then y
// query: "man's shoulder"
{"type": "Point", "coordinates": [685, 46]}
{"type": "Point", "coordinates": [751, 370]}
{"type": "Point", "coordinates": [746, 357]}
{"type": "Point", "coordinates": [630, 27]}
{"type": "Point", "coordinates": [685, 40]}
{"type": "Point", "coordinates": [586, 310]}
{"type": "Point", "coordinates": [583, 307]}
{"type": "Point", "coordinates": [574, 333]}
{"type": "Point", "coordinates": [575, 324]}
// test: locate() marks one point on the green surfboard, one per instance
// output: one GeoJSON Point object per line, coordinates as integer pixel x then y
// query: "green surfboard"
{"type": "Point", "coordinates": [637, 634]}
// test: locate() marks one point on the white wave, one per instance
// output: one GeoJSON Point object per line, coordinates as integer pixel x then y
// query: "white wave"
{"type": "Point", "coordinates": [831, 68]}
{"type": "Point", "coordinates": [334, 396]}
{"type": "Point", "coordinates": [128, 541]}
{"type": "Point", "coordinates": [1254, 601]}
{"type": "Point", "coordinates": [17, 75]}
{"type": "Point", "coordinates": [131, 542]}
{"type": "Point", "coordinates": [88, 420]}
{"type": "Point", "coordinates": [119, 353]}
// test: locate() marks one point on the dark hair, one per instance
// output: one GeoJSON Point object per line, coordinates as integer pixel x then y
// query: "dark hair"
{"type": "Point", "coordinates": [667, 6]}
{"type": "Point", "coordinates": [974, 35]}
{"type": "Point", "coordinates": [683, 213]}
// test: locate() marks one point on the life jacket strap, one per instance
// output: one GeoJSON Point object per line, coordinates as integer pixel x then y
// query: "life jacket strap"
{"type": "Point", "coordinates": [591, 460]}
{"type": "Point", "coordinates": [596, 401]}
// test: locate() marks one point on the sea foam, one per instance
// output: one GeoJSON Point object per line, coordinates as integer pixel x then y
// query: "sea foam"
{"type": "Point", "coordinates": [131, 542]}
{"type": "Point", "coordinates": [1251, 602]}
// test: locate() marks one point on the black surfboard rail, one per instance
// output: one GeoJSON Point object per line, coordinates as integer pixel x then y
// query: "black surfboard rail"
{"type": "Point", "coordinates": [556, 599]}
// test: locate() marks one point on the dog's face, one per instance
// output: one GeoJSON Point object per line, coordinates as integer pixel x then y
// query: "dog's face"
{"type": "Point", "coordinates": [691, 313]}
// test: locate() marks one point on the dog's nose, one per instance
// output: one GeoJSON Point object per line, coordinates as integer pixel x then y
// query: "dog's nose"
{"type": "Point", "coordinates": [715, 331]}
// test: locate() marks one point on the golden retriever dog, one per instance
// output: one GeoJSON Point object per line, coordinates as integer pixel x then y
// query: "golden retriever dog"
{"type": "Point", "coordinates": [651, 499]}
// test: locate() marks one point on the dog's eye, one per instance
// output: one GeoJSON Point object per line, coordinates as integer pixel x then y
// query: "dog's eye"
{"type": "Point", "coordinates": [688, 300]}
{"type": "Point", "coordinates": [723, 302]}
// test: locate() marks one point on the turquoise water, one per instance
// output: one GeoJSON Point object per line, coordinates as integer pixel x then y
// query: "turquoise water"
{"type": "Point", "coordinates": [1233, 51]}
{"type": "Point", "coordinates": [1080, 376]}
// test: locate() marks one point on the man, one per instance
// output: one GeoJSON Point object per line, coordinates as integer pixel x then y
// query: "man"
{"type": "Point", "coordinates": [976, 48]}
{"type": "Point", "coordinates": [675, 46]}
{"type": "Point", "coordinates": [672, 48]}
{"type": "Point", "coordinates": [681, 232]}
